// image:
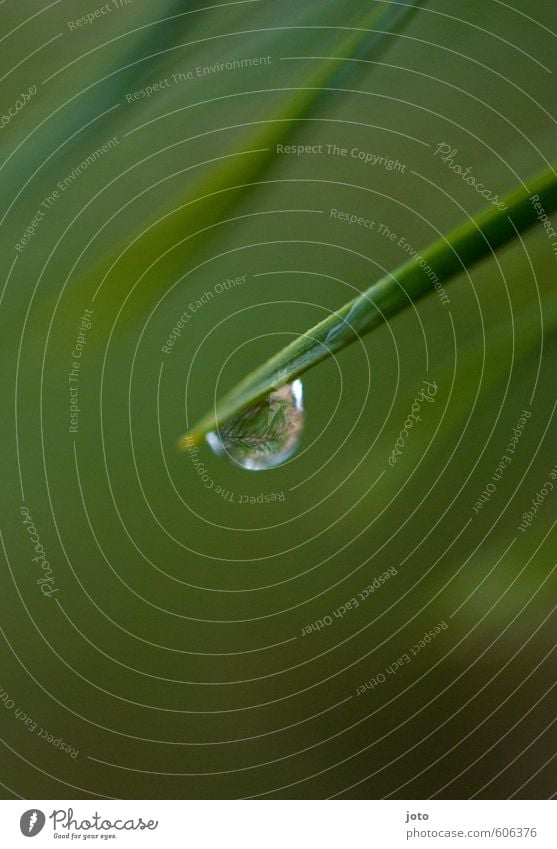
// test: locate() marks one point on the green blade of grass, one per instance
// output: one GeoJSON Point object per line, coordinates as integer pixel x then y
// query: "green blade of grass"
{"type": "Point", "coordinates": [212, 193]}
{"type": "Point", "coordinates": [467, 244]}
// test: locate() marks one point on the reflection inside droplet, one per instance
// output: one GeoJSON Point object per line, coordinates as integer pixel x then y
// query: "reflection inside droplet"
{"type": "Point", "coordinates": [265, 435]}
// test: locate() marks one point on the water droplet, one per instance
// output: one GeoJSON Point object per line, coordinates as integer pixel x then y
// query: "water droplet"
{"type": "Point", "coordinates": [265, 435]}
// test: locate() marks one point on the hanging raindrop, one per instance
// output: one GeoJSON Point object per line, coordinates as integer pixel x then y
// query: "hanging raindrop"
{"type": "Point", "coordinates": [265, 435]}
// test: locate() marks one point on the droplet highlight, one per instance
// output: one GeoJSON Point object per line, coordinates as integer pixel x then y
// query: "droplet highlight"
{"type": "Point", "coordinates": [265, 435]}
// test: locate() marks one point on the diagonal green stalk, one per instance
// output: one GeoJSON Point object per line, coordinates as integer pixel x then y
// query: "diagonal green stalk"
{"type": "Point", "coordinates": [467, 244]}
{"type": "Point", "coordinates": [211, 195]}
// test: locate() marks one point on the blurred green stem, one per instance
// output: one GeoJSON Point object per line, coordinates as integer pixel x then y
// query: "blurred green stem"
{"type": "Point", "coordinates": [469, 243]}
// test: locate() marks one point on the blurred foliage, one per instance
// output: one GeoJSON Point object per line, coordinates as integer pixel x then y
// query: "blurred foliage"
{"type": "Point", "coordinates": [172, 655]}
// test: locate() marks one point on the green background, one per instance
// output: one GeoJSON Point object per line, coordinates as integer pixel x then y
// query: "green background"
{"type": "Point", "coordinates": [172, 656]}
